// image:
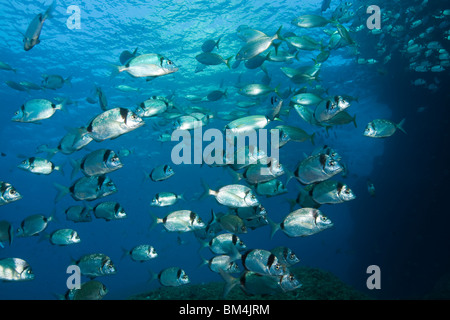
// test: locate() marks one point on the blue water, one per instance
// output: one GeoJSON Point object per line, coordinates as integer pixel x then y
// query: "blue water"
{"type": "Point", "coordinates": [402, 229]}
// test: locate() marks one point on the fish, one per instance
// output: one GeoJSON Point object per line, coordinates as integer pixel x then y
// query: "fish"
{"type": "Point", "coordinates": [291, 133]}
{"type": "Point", "coordinates": [301, 223]}
{"type": "Point", "coordinates": [96, 265]}
{"type": "Point", "coordinates": [316, 168]}
{"type": "Point", "coordinates": [75, 139]}
{"type": "Point", "coordinates": [36, 109]}
{"type": "Point", "coordinates": [54, 81]}
{"type": "Point", "coordinates": [173, 277]}
{"type": "Point", "coordinates": [253, 283]}
{"type": "Point", "coordinates": [304, 43]}
{"type": "Point", "coordinates": [229, 222]}
{"type": "Point", "coordinates": [325, 5]}
{"type": "Point", "coordinates": [64, 237]}
{"type": "Point", "coordinates": [216, 95]}
{"type": "Point", "coordinates": [213, 59]}
{"type": "Point", "coordinates": [256, 46]}
{"type": "Point", "coordinates": [98, 162]}
{"type": "Point", "coordinates": [310, 21]}
{"type": "Point", "coordinates": [181, 221]}
{"type": "Point", "coordinates": [15, 269]}
{"type": "Point", "coordinates": [38, 165]}
{"type": "Point", "coordinates": [113, 123]}
{"type": "Point", "coordinates": [261, 261]}
{"type": "Point", "coordinates": [141, 253]}
{"type": "Point", "coordinates": [263, 172]}
{"type": "Point", "coordinates": [8, 193]}
{"type": "Point", "coordinates": [153, 107]}
{"type": "Point", "coordinates": [371, 188]}
{"type": "Point", "coordinates": [78, 214]}
{"type": "Point", "coordinates": [341, 118]}
{"type": "Point", "coordinates": [306, 99]}
{"type": "Point", "coordinates": [232, 195]}
{"type": "Point", "coordinates": [270, 188]}
{"type": "Point", "coordinates": [6, 233]}
{"type": "Point", "coordinates": [91, 290]}
{"type": "Point", "coordinates": [285, 255]}
{"type": "Point", "coordinates": [87, 188]}
{"type": "Point", "coordinates": [147, 65]}
{"type": "Point", "coordinates": [329, 108]}
{"type": "Point", "coordinates": [163, 199]}
{"type": "Point", "coordinates": [210, 44]}
{"type": "Point", "coordinates": [7, 67]}
{"type": "Point", "coordinates": [16, 86]}
{"type": "Point", "coordinates": [33, 225]}
{"type": "Point", "coordinates": [254, 90]}
{"type": "Point", "coordinates": [101, 98]}
{"type": "Point", "coordinates": [109, 210]}
{"type": "Point", "coordinates": [331, 192]}
{"type": "Point", "coordinates": [247, 34]}
{"type": "Point", "coordinates": [30, 85]}
{"type": "Point", "coordinates": [33, 32]}
{"type": "Point", "coordinates": [225, 243]}
{"type": "Point", "coordinates": [382, 128]}
{"type": "Point", "coordinates": [161, 172]}
{"type": "Point", "coordinates": [221, 262]}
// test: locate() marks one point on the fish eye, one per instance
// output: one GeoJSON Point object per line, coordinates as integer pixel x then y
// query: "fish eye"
{"type": "Point", "coordinates": [323, 218]}
{"type": "Point", "coordinates": [331, 163]}
{"type": "Point", "coordinates": [277, 267]}
{"type": "Point", "coordinates": [110, 184]}
{"type": "Point", "coordinates": [16, 113]}
{"type": "Point", "coordinates": [292, 256]}
{"type": "Point", "coordinates": [169, 62]}
{"type": "Point", "coordinates": [12, 192]}
{"type": "Point", "coordinates": [184, 276]}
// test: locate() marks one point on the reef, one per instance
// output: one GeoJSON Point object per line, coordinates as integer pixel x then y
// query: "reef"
{"type": "Point", "coordinates": [317, 284]}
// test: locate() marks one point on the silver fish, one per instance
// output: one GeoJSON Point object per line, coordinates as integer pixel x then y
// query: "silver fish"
{"type": "Point", "coordinates": [222, 262]}
{"type": "Point", "coordinates": [256, 46]}
{"type": "Point", "coordinates": [263, 262]}
{"type": "Point", "coordinates": [91, 290]}
{"type": "Point", "coordinates": [302, 222]}
{"type": "Point", "coordinates": [35, 110]}
{"type": "Point", "coordinates": [153, 106]}
{"type": "Point", "coordinates": [285, 255]}
{"type": "Point", "coordinates": [33, 225]}
{"type": "Point", "coordinates": [233, 195]}
{"type": "Point", "coordinates": [317, 168]}
{"type": "Point", "coordinates": [113, 123]}
{"type": "Point", "coordinates": [78, 214]}
{"type": "Point", "coordinates": [213, 59]}
{"type": "Point", "coordinates": [329, 108]}
{"type": "Point", "coordinates": [87, 188]}
{"type": "Point", "coordinates": [163, 199]}
{"type": "Point", "coordinates": [161, 172]}
{"type": "Point", "coordinates": [226, 243]}
{"type": "Point", "coordinates": [173, 277]}
{"type": "Point", "coordinates": [382, 128]}
{"type": "Point", "coordinates": [64, 237]}
{"type": "Point", "coordinates": [141, 253]}
{"type": "Point", "coordinates": [96, 265]}
{"type": "Point", "coordinates": [181, 221]}
{"type": "Point", "coordinates": [38, 165]}
{"type": "Point", "coordinates": [310, 21]}
{"type": "Point", "coordinates": [331, 192]}
{"type": "Point", "coordinates": [31, 36]}
{"type": "Point", "coordinates": [8, 193]}
{"type": "Point", "coordinates": [148, 65]}
{"type": "Point", "coordinates": [15, 269]}
{"type": "Point", "coordinates": [97, 162]}
{"type": "Point", "coordinates": [109, 210]}
{"type": "Point", "coordinates": [210, 44]}
{"type": "Point", "coordinates": [270, 188]}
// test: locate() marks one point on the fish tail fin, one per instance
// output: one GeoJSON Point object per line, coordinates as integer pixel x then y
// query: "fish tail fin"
{"type": "Point", "coordinates": [125, 252]}
{"type": "Point", "coordinates": [115, 71]}
{"type": "Point", "coordinates": [278, 33]}
{"type": "Point", "coordinates": [228, 61]}
{"type": "Point", "coordinates": [354, 121]}
{"type": "Point", "coordinates": [400, 126]}
{"type": "Point", "coordinates": [311, 137]}
{"type": "Point", "coordinates": [49, 13]}
{"type": "Point", "coordinates": [152, 276]}
{"type": "Point", "coordinates": [60, 169]}
{"type": "Point", "coordinates": [181, 196]}
{"type": "Point", "coordinates": [276, 46]}
{"type": "Point", "coordinates": [50, 151]}
{"type": "Point", "coordinates": [206, 190]}
{"type": "Point", "coordinates": [75, 167]}
{"type": "Point", "coordinates": [292, 204]}
{"type": "Point", "coordinates": [236, 176]}
{"type": "Point", "coordinates": [69, 81]}
{"type": "Point", "coordinates": [217, 43]}
{"type": "Point", "coordinates": [62, 191]}
{"type": "Point", "coordinates": [155, 221]}
{"type": "Point", "coordinates": [274, 227]}
{"type": "Point", "coordinates": [204, 262]}
{"type": "Point", "coordinates": [289, 176]}
{"type": "Point", "coordinates": [230, 282]}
